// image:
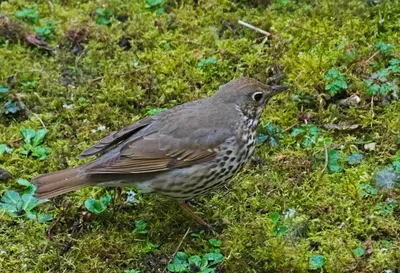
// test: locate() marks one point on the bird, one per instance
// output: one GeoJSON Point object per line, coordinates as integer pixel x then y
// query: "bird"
{"type": "Point", "coordinates": [179, 153]}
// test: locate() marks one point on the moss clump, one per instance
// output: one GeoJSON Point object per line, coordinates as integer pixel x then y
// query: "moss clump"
{"type": "Point", "coordinates": [98, 78]}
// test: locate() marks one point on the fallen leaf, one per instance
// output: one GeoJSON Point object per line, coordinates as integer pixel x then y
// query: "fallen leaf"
{"type": "Point", "coordinates": [36, 41]}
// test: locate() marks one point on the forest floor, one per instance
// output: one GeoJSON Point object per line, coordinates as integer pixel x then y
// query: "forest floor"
{"type": "Point", "coordinates": [321, 194]}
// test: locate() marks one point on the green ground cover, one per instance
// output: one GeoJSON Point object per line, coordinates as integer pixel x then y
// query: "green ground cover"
{"type": "Point", "coordinates": [73, 71]}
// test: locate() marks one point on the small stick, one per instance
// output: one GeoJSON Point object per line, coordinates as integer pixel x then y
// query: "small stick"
{"type": "Point", "coordinates": [326, 158]}
{"type": "Point", "coordinates": [176, 250]}
{"type": "Point", "coordinates": [266, 33]}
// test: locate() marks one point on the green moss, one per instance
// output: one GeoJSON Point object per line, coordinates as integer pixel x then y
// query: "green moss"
{"type": "Point", "coordinates": [111, 75]}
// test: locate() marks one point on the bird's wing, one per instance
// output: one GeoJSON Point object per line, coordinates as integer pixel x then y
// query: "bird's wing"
{"type": "Point", "coordinates": [111, 140]}
{"type": "Point", "coordinates": [157, 151]}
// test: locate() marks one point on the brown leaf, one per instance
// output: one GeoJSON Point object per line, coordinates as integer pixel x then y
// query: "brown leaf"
{"type": "Point", "coordinates": [36, 41]}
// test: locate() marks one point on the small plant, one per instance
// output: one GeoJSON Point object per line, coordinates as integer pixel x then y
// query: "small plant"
{"type": "Point", "coordinates": [32, 141]}
{"type": "Point", "coordinates": [396, 164]}
{"type": "Point", "coordinates": [334, 81]}
{"type": "Point", "coordinates": [156, 5]}
{"type": "Point", "coordinates": [214, 242]}
{"type": "Point", "coordinates": [150, 246]}
{"type": "Point", "coordinates": [279, 229]}
{"type": "Point", "coordinates": [4, 149]}
{"type": "Point", "coordinates": [367, 190]}
{"type": "Point", "coordinates": [3, 91]}
{"type": "Point", "coordinates": [197, 235]}
{"type": "Point", "coordinates": [140, 227]}
{"type": "Point", "coordinates": [206, 264]}
{"type": "Point", "coordinates": [269, 132]}
{"type": "Point", "coordinates": [103, 16]}
{"type": "Point", "coordinates": [46, 31]}
{"type": "Point", "coordinates": [394, 65]}
{"type": "Point", "coordinates": [206, 62]}
{"type": "Point", "coordinates": [308, 134]}
{"type": "Point", "coordinates": [354, 159]}
{"type": "Point", "coordinates": [97, 206]}
{"type": "Point", "coordinates": [29, 15]}
{"type": "Point", "coordinates": [359, 251]}
{"type": "Point", "coordinates": [334, 161]}
{"type": "Point", "coordinates": [384, 208]}
{"type": "Point", "coordinates": [378, 83]}
{"type": "Point", "coordinates": [316, 261]}
{"type": "Point", "coordinates": [23, 206]}
{"type": "Point", "coordinates": [384, 49]}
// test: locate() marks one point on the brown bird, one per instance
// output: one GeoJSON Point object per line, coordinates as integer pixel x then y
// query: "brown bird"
{"type": "Point", "coordinates": [179, 153]}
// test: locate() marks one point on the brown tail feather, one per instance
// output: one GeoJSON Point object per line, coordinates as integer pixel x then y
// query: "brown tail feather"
{"type": "Point", "coordinates": [57, 183]}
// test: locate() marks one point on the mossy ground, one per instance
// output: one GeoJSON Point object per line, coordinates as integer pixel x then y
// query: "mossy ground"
{"type": "Point", "coordinates": [151, 61]}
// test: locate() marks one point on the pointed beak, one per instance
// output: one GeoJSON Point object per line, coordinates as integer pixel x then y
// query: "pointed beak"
{"type": "Point", "coordinates": [278, 88]}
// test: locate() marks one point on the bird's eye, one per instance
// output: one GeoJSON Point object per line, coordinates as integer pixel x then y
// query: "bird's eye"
{"type": "Point", "coordinates": [257, 96]}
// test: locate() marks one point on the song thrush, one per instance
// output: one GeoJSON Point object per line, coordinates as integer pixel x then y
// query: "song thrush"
{"type": "Point", "coordinates": [179, 153]}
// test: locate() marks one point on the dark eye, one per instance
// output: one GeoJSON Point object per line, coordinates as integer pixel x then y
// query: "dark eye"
{"type": "Point", "coordinates": [257, 96]}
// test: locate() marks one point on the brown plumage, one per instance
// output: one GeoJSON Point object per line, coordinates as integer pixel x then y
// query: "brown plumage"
{"type": "Point", "coordinates": [179, 153]}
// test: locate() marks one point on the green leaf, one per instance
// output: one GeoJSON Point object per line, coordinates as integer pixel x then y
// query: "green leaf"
{"type": "Point", "coordinates": [354, 159]}
{"type": "Point", "coordinates": [394, 66]}
{"type": "Point", "coordinates": [11, 197]}
{"type": "Point", "coordinates": [179, 263]}
{"type": "Point", "coordinates": [94, 206]}
{"type": "Point", "coordinates": [4, 149]}
{"type": "Point", "coordinates": [11, 107]}
{"type": "Point", "coordinates": [367, 189]}
{"type": "Point", "coordinates": [132, 271]}
{"type": "Point", "coordinates": [29, 202]}
{"type": "Point", "coordinates": [196, 260]}
{"type": "Point", "coordinates": [28, 135]}
{"type": "Point", "coordinates": [3, 91]}
{"type": "Point", "coordinates": [359, 251]}
{"type": "Point", "coordinates": [317, 261]}
{"type": "Point", "coordinates": [37, 140]}
{"type": "Point", "coordinates": [29, 15]}
{"type": "Point", "coordinates": [297, 131]}
{"type": "Point", "coordinates": [155, 111]}
{"type": "Point", "coordinates": [105, 200]}
{"type": "Point", "coordinates": [274, 216]}
{"type": "Point", "coordinates": [153, 3]}
{"type": "Point", "coordinates": [214, 258]}
{"type": "Point", "coordinates": [384, 49]}
{"type": "Point", "coordinates": [333, 161]}
{"type": "Point", "coordinates": [396, 164]}
{"type": "Point", "coordinates": [140, 227]}
{"type": "Point", "coordinates": [30, 188]}
{"type": "Point", "coordinates": [205, 62]}
{"type": "Point", "coordinates": [40, 152]}
{"type": "Point", "coordinates": [44, 217]}
{"type": "Point", "coordinates": [103, 16]}
{"type": "Point", "coordinates": [215, 242]}
{"type": "Point", "coordinates": [335, 81]}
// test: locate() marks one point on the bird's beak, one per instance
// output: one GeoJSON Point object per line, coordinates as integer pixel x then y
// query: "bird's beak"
{"type": "Point", "coordinates": [278, 88]}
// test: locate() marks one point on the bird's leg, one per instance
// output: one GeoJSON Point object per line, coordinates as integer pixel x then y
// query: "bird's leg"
{"type": "Point", "coordinates": [185, 207]}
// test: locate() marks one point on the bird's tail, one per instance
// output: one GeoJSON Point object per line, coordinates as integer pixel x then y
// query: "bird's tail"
{"type": "Point", "coordinates": [57, 183]}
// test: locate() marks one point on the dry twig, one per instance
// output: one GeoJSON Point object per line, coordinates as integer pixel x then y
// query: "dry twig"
{"type": "Point", "coordinates": [176, 250]}
{"type": "Point", "coordinates": [266, 33]}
